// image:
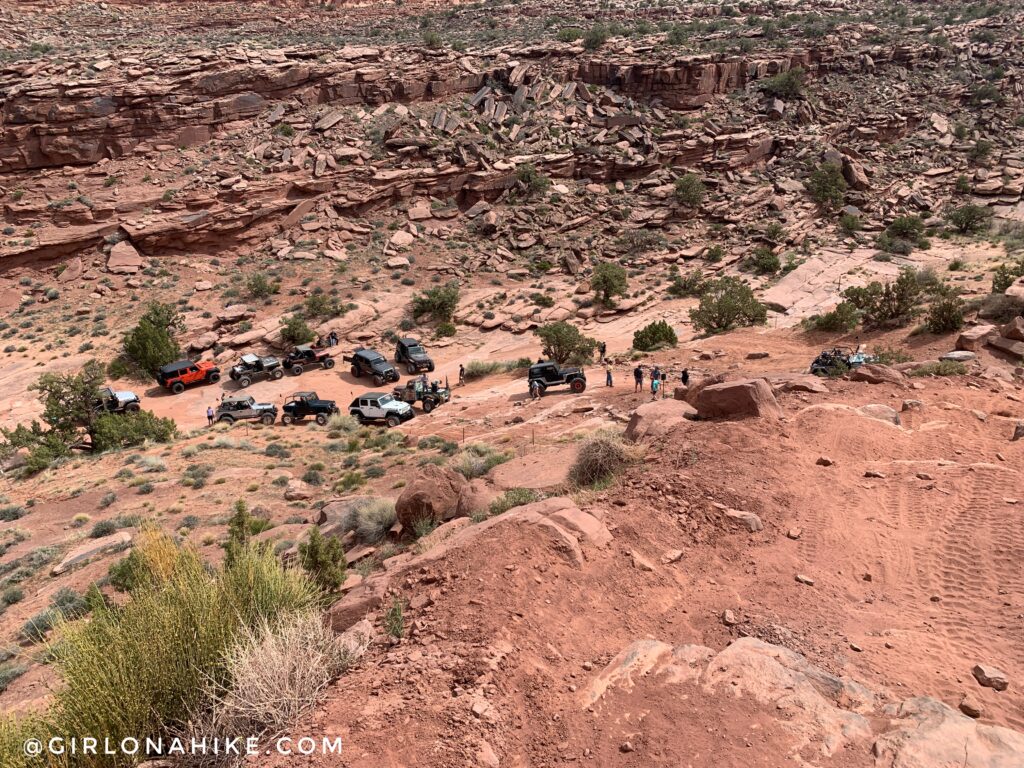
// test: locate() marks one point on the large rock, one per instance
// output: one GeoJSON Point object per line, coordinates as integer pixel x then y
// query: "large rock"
{"type": "Point", "coordinates": [476, 498]}
{"type": "Point", "coordinates": [745, 397]}
{"type": "Point", "coordinates": [433, 494]}
{"type": "Point", "coordinates": [1009, 346]}
{"type": "Point", "coordinates": [874, 373]}
{"type": "Point", "coordinates": [696, 386]}
{"type": "Point", "coordinates": [657, 418]}
{"type": "Point", "coordinates": [972, 339]}
{"type": "Point", "coordinates": [124, 259]}
{"type": "Point", "coordinates": [91, 549]}
{"type": "Point", "coordinates": [1013, 329]}
{"type": "Point", "coordinates": [990, 677]}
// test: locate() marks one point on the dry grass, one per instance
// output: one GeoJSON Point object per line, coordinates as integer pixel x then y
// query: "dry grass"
{"type": "Point", "coordinates": [601, 456]}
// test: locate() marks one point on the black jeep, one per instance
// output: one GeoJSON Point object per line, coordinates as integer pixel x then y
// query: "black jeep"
{"type": "Point", "coordinates": [370, 362]}
{"type": "Point", "coordinates": [253, 367]}
{"type": "Point", "coordinates": [245, 408]}
{"type": "Point", "coordinates": [415, 357]}
{"type": "Point", "coordinates": [111, 401]}
{"type": "Point", "coordinates": [304, 356]}
{"type": "Point", "coordinates": [304, 404]}
{"type": "Point", "coordinates": [551, 374]}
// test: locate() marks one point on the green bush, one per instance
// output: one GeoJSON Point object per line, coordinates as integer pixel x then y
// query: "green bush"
{"type": "Point", "coordinates": [890, 355]}
{"type": "Point", "coordinates": [969, 218]}
{"type": "Point", "coordinates": [439, 303]}
{"type": "Point", "coordinates": [320, 305]}
{"type": "Point", "coordinates": [477, 459]}
{"type": "Point", "coordinates": [727, 303]}
{"type": "Point", "coordinates": [842, 319]}
{"type": "Point", "coordinates": [432, 39]}
{"type": "Point", "coordinates": [103, 528]}
{"type": "Point", "coordinates": [826, 186]}
{"type": "Point", "coordinates": [595, 37]}
{"type": "Point", "coordinates": [151, 344]}
{"type": "Point", "coordinates": [690, 190]}
{"type": "Point", "coordinates": [656, 335]}
{"type": "Point", "coordinates": [609, 280]}
{"type": "Point", "coordinates": [8, 674]}
{"type": "Point", "coordinates": [114, 431]}
{"type": "Point", "coordinates": [564, 343]}
{"type": "Point", "coordinates": [850, 223]}
{"type": "Point", "coordinates": [513, 497]}
{"type": "Point", "coordinates": [478, 369]}
{"type": "Point", "coordinates": [689, 285]}
{"type": "Point", "coordinates": [11, 512]}
{"type": "Point", "coordinates": [785, 85]}
{"type": "Point", "coordinates": [530, 180]}
{"type": "Point", "coordinates": [569, 34]}
{"type": "Point", "coordinates": [888, 304]}
{"type": "Point", "coordinates": [940, 368]}
{"type": "Point", "coordinates": [258, 286]}
{"type": "Point", "coordinates": [323, 558]}
{"type": "Point", "coordinates": [764, 261]}
{"type": "Point", "coordinates": [295, 331]}
{"type": "Point", "coordinates": [637, 241]}
{"type": "Point", "coordinates": [946, 314]}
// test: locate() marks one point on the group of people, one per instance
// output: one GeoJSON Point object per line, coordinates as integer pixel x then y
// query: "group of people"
{"type": "Point", "coordinates": [330, 340]}
{"type": "Point", "coordinates": [659, 380]}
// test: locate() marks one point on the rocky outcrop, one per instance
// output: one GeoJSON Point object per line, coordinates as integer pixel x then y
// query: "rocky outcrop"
{"type": "Point", "coordinates": [745, 397]}
{"type": "Point", "coordinates": [431, 496]}
{"type": "Point", "coordinates": [655, 419]}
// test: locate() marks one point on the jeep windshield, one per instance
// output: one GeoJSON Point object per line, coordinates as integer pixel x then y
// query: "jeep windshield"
{"type": "Point", "coordinates": [385, 399]}
{"type": "Point", "coordinates": [417, 351]}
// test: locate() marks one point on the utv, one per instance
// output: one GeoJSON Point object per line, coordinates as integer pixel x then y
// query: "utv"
{"type": "Point", "coordinates": [305, 356]}
{"type": "Point", "coordinates": [253, 367]}
{"type": "Point", "coordinates": [837, 361]}
{"type": "Point", "coordinates": [304, 404]}
{"type": "Point", "coordinates": [550, 374]}
{"type": "Point", "coordinates": [111, 401]}
{"type": "Point", "coordinates": [380, 406]}
{"type": "Point", "coordinates": [183, 373]}
{"type": "Point", "coordinates": [429, 395]}
{"type": "Point", "coordinates": [245, 408]}
{"type": "Point", "coordinates": [369, 362]}
{"type": "Point", "coordinates": [415, 357]}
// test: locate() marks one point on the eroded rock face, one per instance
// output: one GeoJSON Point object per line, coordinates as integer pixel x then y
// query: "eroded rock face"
{"type": "Point", "coordinates": [432, 495]}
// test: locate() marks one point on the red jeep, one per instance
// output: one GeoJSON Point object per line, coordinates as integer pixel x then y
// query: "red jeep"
{"type": "Point", "coordinates": [183, 373]}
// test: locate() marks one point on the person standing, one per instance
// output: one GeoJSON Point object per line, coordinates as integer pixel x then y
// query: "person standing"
{"type": "Point", "coordinates": [462, 375]}
{"type": "Point", "coordinates": [607, 374]}
{"type": "Point", "coordinates": [655, 386]}
{"type": "Point", "coordinates": [638, 379]}
{"type": "Point", "coordinates": [655, 380]}
{"type": "Point", "coordinates": [209, 415]}
{"type": "Point", "coordinates": [685, 377]}
{"type": "Point", "coordinates": [603, 349]}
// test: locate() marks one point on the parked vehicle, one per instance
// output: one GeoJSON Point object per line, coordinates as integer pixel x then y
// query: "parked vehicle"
{"type": "Point", "coordinates": [304, 356]}
{"type": "Point", "coordinates": [837, 361]}
{"type": "Point", "coordinates": [551, 374]}
{"type": "Point", "coordinates": [413, 355]}
{"type": "Point", "coordinates": [111, 401]}
{"type": "Point", "coordinates": [253, 367]}
{"type": "Point", "coordinates": [370, 362]}
{"type": "Point", "coordinates": [302, 405]}
{"type": "Point", "coordinates": [428, 395]}
{"type": "Point", "coordinates": [380, 406]}
{"type": "Point", "coordinates": [245, 408]}
{"type": "Point", "coordinates": [186, 373]}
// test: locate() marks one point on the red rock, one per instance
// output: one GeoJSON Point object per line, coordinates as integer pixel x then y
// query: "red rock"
{"type": "Point", "coordinates": [124, 259]}
{"type": "Point", "coordinates": [433, 494]}
{"type": "Point", "coordinates": [745, 397]}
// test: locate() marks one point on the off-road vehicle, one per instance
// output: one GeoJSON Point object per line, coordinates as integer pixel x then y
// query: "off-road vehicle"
{"type": "Point", "coordinates": [304, 356]}
{"type": "Point", "coordinates": [111, 401]}
{"type": "Point", "coordinates": [370, 362]}
{"type": "Point", "coordinates": [380, 406]}
{"type": "Point", "coordinates": [185, 373]}
{"type": "Point", "coordinates": [428, 395]}
{"type": "Point", "coordinates": [413, 355]}
{"type": "Point", "coordinates": [302, 405]}
{"type": "Point", "coordinates": [837, 361]}
{"type": "Point", "coordinates": [551, 374]}
{"type": "Point", "coordinates": [253, 367]}
{"type": "Point", "coordinates": [245, 408]}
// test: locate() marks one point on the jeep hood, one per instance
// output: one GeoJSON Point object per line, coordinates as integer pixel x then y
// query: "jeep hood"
{"type": "Point", "coordinates": [397, 406]}
{"type": "Point", "coordinates": [125, 397]}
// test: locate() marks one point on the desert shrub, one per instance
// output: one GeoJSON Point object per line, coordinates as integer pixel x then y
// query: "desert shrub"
{"type": "Point", "coordinates": [683, 286]}
{"type": "Point", "coordinates": [151, 344]}
{"type": "Point", "coordinates": [477, 459]}
{"type": "Point", "coordinates": [513, 497]}
{"type": "Point", "coordinates": [969, 218]}
{"type": "Point", "coordinates": [321, 305]}
{"type": "Point", "coordinates": [341, 422]}
{"type": "Point", "coordinates": [850, 223]}
{"type": "Point", "coordinates": [394, 618]}
{"type": "Point", "coordinates": [432, 39]}
{"type": "Point", "coordinates": [12, 595]}
{"type": "Point", "coordinates": [595, 37]}
{"type": "Point", "coordinates": [114, 431]}
{"type": "Point", "coordinates": [826, 186]}
{"type": "Point", "coordinates": [531, 181]}
{"type": "Point", "coordinates": [600, 457]}
{"type": "Point", "coordinates": [372, 520]}
{"type": "Point", "coordinates": [690, 190]}
{"type": "Point", "coordinates": [946, 314]}
{"type": "Point", "coordinates": [884, 304]}
{"type": "Point", "coordinates": [903, 235]}
{"type": "Point", "coordinates": [785, 85]}
{"type": "Point", "coordinates": [8, 674]}
{"type": "Point", "coordinates": [656, 335]}
{"type": "Point", "coordinates": [323, 558]}
{"type": "Point", "coordinates": [258, 286]}
{"type": "Point", "coordinates": [608, 281]}
{"type": "Point", "coordinates": [103, 528]}
{"type": "Point", "coordinates": [438, 303]}
{"type": "Point", "coordinates": [11, 512]}
{"type": "Point", "coordinates": [890, 355]}
{"type": "Point", "coordinates": [563, 343]}
{"type": "Point", "coordinates": [727, 303]}
{"type": "Point", "coordinates": [940, 368]}
{"type": "Point", "coordinates": [569, 34]}
{"type": "Point", "coordinates": [842, 319]}
{"type": "Point", "coordinates": [295, 331]}
{"type": "Point", "coordinates": [764, 261]}
{"type": "Point", "coordinates": [277, 451]}
{"type": "Point", "coordinates": [173, 634]}
{"type": "Point", "coordinates": [637, 241]}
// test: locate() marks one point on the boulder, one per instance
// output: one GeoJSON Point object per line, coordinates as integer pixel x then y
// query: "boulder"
{"type": "Point", "coordinates": [90, 549]}
{"type": "Point", "coordinates": [1009, 346]}
{"type": "Point", "coordinates": [476, 498]}
{"type": "Point", "coordinates": [1013, 330]}
{"type": "Point", "coordinates": [124, 259]}
{"type": "Point", "coordinates": [972, 339]}
{"type": "Point", "coordinates": [657, 418]}
{"type": "Point", "coordinates": [990, 677]}
{"type": "Point", "coordinates": [748, 520]}
{"type": "Point", "coordinates": [298, 490]}
{"type": "Point", "coordinates": [959, 356]}
{"type": "Point", "coordinates": [745, 397]}
{"type": "Point", "coordinates": [696, 386]}
{"type": "Point", "coordinates": [73, 269]}
{"type": "Point", "coordinates": [874, 373]}
{"type": "Point", "coordinates": [433, 494]}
